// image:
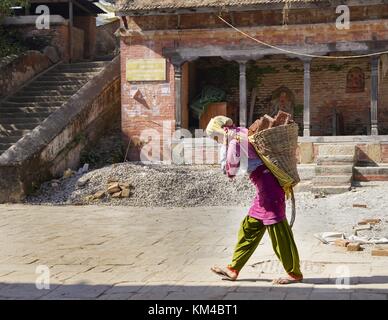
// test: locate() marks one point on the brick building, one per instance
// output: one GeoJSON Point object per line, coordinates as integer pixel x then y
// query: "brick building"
{"type": "Point", "coordinates": [333, 100]}
{"type": "Point", "coordinates": [72, 27]}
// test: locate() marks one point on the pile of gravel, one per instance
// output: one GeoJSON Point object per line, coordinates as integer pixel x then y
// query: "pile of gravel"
{"type": "Point", "coordinates": [154, 186]}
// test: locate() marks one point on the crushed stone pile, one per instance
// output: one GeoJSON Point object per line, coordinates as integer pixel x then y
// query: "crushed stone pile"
{"type": "Point", "coordinates": [151, 186]}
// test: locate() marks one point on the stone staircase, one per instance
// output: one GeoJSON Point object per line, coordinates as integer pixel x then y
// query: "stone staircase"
{"type": "Point", "coordinates": [334, 169]}
{"type": "Point", "coordinates": [33, 103]}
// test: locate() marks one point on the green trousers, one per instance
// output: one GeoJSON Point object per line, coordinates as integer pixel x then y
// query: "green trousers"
{"type": "Point", "coordinates": [250, 235]}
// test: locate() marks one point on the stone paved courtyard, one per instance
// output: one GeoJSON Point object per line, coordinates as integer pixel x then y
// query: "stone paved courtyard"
{"type": "Point", "coordinates": [97, 252]}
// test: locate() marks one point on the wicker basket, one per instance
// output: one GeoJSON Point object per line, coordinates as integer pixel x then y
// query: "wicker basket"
{"type": "Point", "coordinates": [279, 145]}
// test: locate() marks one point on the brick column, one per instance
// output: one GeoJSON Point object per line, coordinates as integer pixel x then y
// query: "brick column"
{"type": "Point", "coordinates": [374, 94]}
{"type": "Point", "coordinates": [178, 96]}
{"type": "Point", "coordinates": [306, 107]}
{"type": "Point", "coordinates": [243, 93]}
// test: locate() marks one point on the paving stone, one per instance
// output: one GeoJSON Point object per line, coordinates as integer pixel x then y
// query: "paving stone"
{"type": "Point", "coordinates": [80, 291]}
{"type": "Point", "coordinates": [120, 253]}
{"type": "Point", "coordinates": [316, 294]}
{"type": "Point", "coordinates": [369, 296]}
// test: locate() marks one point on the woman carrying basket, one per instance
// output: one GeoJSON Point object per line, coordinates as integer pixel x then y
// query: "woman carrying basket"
{"type": "Point", "coordinates": [268, 210]}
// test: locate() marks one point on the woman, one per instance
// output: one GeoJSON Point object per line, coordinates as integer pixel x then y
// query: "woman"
{"type": "Point", "coordinates": [268, 210]}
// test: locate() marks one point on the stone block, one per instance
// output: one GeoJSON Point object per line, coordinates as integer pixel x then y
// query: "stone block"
{"type": "Point", "coordinates": [373, 152]}
{"type": "Point", "coordinates": [336, 150]}
{"type": "Point", "coordinates": [306, 152]}
{"type": "Point", "coordinates": [114, 188]}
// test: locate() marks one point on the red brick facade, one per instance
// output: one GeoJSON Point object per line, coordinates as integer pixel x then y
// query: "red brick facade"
{"type": "Point", "coordinates": [149, 36]}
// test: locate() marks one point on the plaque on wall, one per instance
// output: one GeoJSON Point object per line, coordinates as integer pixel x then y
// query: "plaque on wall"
{"type": "Point", "coordinates": [146, 70]}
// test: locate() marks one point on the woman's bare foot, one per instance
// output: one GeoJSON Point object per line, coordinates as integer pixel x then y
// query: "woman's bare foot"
{"type": "Point", "coordinates": [225, 273]}
{"type": "Point", "coordinates": [287, 280]}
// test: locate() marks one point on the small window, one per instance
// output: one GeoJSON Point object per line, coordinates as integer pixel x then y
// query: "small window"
{"type": "Point", "coordinates": [355, 81]}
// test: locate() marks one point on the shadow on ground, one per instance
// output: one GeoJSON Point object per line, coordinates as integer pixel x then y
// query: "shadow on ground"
{"type": "Point", "coordinates": [310, 289]}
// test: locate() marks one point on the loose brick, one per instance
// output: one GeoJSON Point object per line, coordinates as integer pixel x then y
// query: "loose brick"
{"type": "Point", "coordinates": [282, 118]}
{"type": "Point", "coordinates": [358, 205]}
{"type": "Point", "coordinates": [253, 128]}
{"type": "Point", "coordinates": [369, 221]}
{"type": "Point", "coordinates": [117, 195]}
{"type": "Point", "coordinates": [114, 188]}
{"type": "Point", "coordinates": [355, 246]}
{"type": "Point", "coordinates": [380, 251]}
{"type": "Point", "coordinates": [341, 243]}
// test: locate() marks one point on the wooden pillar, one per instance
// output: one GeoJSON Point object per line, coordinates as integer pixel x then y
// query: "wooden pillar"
{"type": "Point", "coordinates": [71, 23]}
{"type": "Point", "coordinates": [243, 93]}
{"type": "Point", "coordinates": [374, 94]}
{"type": "Point", "coordinates": [178, 96]}
{"type": "Point", "coordinates": [306, 107]}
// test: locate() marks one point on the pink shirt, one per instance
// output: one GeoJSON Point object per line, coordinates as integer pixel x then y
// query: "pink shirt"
{"type": "Point", "coordinates": [269, 203]}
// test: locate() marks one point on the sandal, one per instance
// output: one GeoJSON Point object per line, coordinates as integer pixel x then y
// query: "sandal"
{"type": "Point", "coordinates": [224, 273]}
{"type": "Point", "coordinates": [288, 280]}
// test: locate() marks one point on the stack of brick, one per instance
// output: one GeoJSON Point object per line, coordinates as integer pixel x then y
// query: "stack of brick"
{"type": "Point", "coordinates": [267, 122]}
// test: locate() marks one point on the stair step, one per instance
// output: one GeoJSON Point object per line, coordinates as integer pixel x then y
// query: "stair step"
{"type": "Point", "coordinates": [27, 110]}
{"type": "Point", "coordinates": [56, 83]}
{"type": "Point", "coordinates": [16, 127]}
{"type": "Point", "coordinates": [17, 115]}
{"type": "Point", "coordinates": [48, 87]}
{"type": "Point", "coordinates": [330, 189]}
{"type": "Point", "coordinates": [306, 172]}
{"type": "Point", "coordinates": [21, 120]}
{"type": "Point", "coordinates": [11, 133]}
{"type": "Point", "coordinates": [9, 139]}
{"type": "Point", "coordinates": [62, 80]}
{"type": "Point", "coordinates": [70, 74]}
{"type": "Point", "coordinates": [45, 92]}
{"type": "Point", "coordinates": [5, 146]}
{"type": "Point", "coordinates": [336, 149]}
{"type": "Point", "coordinates": [332, 180]}
{"type": "Point", "coordinates": [27, 99]}
{"type": "Point", "coordinates": [105, 58]}
{"type": "Point", "coordinates": [303, 186]}
{"type": "Point", "coordinates": [41, 104]}
{"type": "Point", "coordinates": [378, 173]}
{"type": "Point", "coordinates": [93, 64]}
{"type": "Point", "coordinates": [335, 160]}
{"type": "Point", "coordinates": [334, 170]}
{"type": "Point", "coordinates": [74, 69]}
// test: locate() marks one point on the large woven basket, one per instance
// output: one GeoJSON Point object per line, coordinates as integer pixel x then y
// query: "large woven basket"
{"type": "Point", "coordinates": [279, 145]}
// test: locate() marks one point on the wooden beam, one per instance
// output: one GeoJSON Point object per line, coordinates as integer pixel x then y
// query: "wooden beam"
{"type": "Point", "coordinates": [257, 52]}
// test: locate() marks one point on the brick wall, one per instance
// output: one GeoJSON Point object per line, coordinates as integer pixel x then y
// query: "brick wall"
{"type": "Point", "coordinates": [58, 35]}
{"type": "Point", "coordinates": [156, 109]}
{"type": "Point", "coordinates": [328, 78]}
{"type": "Point", "coordinates": [78, 44]}
{"type": "Point", "coordinates": [88, 25]}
